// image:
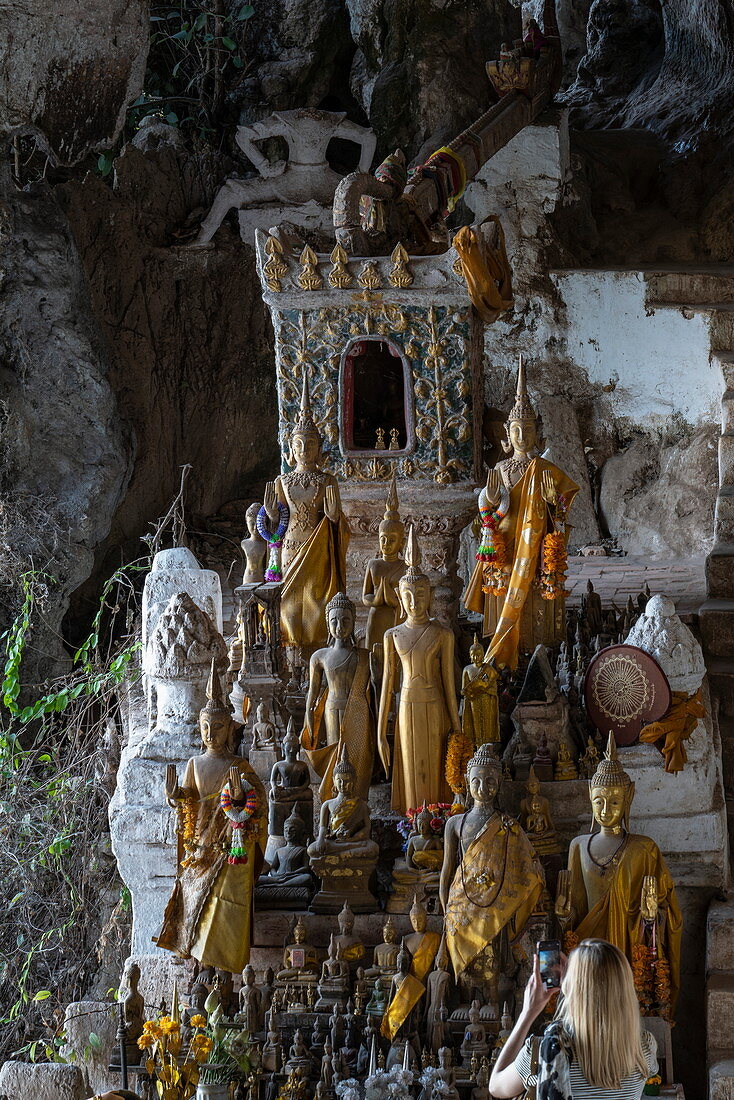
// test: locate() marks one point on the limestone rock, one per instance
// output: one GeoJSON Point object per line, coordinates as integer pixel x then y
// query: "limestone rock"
{"type": "Point", "coordinates": [70, 70]}
{"type": "Point", "coordinates": [42, 1081]}
{"type": "Point", "coordinates": [660, 633]}
{"type": "Point", "coordinates": [175, 572]}
{"type": "Point", "coordinates": [82, 1019]}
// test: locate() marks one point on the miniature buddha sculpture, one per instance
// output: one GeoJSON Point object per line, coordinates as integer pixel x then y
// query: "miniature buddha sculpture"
{"type": "Point", "coordinates": [290, 787]}
{"type": "Point", "coordinates": [290, 879]}
{"type": "Point", "coordinates": [474, 1043]}
{"type": "Point", "coordinates": [250, 1002]}
{"type": "Point", "coordinates": [298, 1056]}
{"type": "Point", "coordinates": [535, 819]}
{"type": "Point", "coordinates": [313, 556]}
{"type": "Point", "coordinates": [339, 702]}
{"type": "Point", "coordinates": [380, 998]}
{"type": "Point", "coordinates": [490, 880]}
{"type": "Point", "coordinates": [421, 652]}
{"type": "Point", "coordinates": [349, 946]}
{"type": "Point", "coordinates": [589, 762]}
{"type": "Point", "coordinates": [254, 547]}
{"type": "Point", "coordinates": [333, 986]}
{"type": "Point", "coordinates": [221, 803]}
{"type": "Point", "coordinates": [421, 943]}
{"type": "Point", "coordinates": [607, 892]}
{"type": "Point", "coordinates": [300, 959]}
{"type": "Point", "coordinates": [481, 1088]}
{"type": "Point", "coordinates": [385, 955]}
{"type": "Point", "coordinates": [523, 508]}
{"type": "Point", "coordinates": [263, 731]}
{"type": "Point", "coordinates": [344, 843]}
{"type": "Point", "coordinates": [419, 871]}
{"type": "Point", "coordinates": [425, 849]}
{"type": "Point", "coordinates": [543, 761]}
{"type": "Point", "coordinates": [382, 575]}
{"type": "Point", "coordinates": [406, 992]}
{"type": "Point", "coordinates": [480, 717]}
{"type": "Point", "coordinates": [134, 1010]}
{"type": "Point", "coordinates": [564, 767]}
{"type": "Point", "coordinates": [272, 1052]}
{"type": "Point", "coordinates": [445, 1084]}
{"type": "Point", "coordinates": [591, 609]}
{"type": "Point", "coordinates": [438, 988]}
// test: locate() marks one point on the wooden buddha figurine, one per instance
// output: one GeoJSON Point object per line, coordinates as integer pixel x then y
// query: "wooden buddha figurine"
{"type": "Point", "coordinates": [333, 984]}
{"type": "Point", "coordinates": [290, 880]}
{"type": "Point", "coordinates": [313, 556]}
{"type": "Point", "coordinates": [480, 717]}
{"type": "Point", "coordinates": [418, 872]}
{"type": "Point", "coordinates": [339, 702]}
{"type": "Point", "coordinates": [385, 955]}
{"type": "Point", "coordinates": [421, 652]}
{"type": "Point", "coordinates": [254, 547]}
{"type": "Point", "coordinates": [300, 959]}
{"type": "Point", "coordinates": [209, 913]}
{"type": "Point", "coordinates": [474, 1043]}
{"type": "Point", "coordinates": [607, 891]}
{"type": "Point", "coordinates": [290, 787]}
{"type": "Point", "coordinates": [525, 499]}
{"type": "Point", "coordinates": [490, 880]}
{"type": "Point", "coordinates": [535, 818]}
{"type": "Point", "coordinates": [380, 588]}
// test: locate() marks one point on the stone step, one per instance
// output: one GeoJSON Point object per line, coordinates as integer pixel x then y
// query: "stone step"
{"type": "Point", "coordinates": [720, 936]}
{"type": "Point", "coordinates": [702, 287]}
{"type": "Point", "coordinates": [720, 571]}
{"type": "Point", "coordinates": [716, 621]}
{"type": "Point", "coordinates": [720, 1011]}
{"type": "Point", "coordinates": [721, 1078]}
{"type": "Point", "coordinates": [724, 514]}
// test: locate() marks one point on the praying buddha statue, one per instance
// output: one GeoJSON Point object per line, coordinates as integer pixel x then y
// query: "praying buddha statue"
{"type": "Point", "coordinates": [480, 718]}
{"type": "Point", "coordinates": [606, 892]}
{"type": "Point", "coordinates": [518, 581]}
{"type": "Point", "coordinates": [339, 702]}
{"type": "Point", "coordinates": [490, 880]}
{"type": "Point", "coordinates": [221, 802]}
{"type": "Point", "coordinates": [344, 844]}
{"type": "Point", "coordinates": [254, 548]}
{"type": "Point", "coordinates": [380, 588]}
{"type": "Point", "coordinates": [313, 556]}
{"type": "Point", "coordinates": [421, 652]}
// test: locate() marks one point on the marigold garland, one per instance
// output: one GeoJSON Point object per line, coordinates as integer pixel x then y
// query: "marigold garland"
{"type": "Point", "coordinates": [187, 814]}
{"type": "Point", "coordinates": [459, 752]}
{"type": "Point", "coordinates": [644, 976]}
{"type": "Point", "coordinates": [492, 552]}
{"type": "Point", "coordinates": [554, 565]}
{"type": "Point", "coordinates": [242, 821]}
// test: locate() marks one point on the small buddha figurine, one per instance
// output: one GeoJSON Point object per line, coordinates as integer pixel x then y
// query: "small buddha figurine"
{"type": "Point", "coordinates": [475, 1037]}
{"type": "Point", "coordinates": [543, 761]}
{"type": "Point", "coordinates": [535, 818]}
{"type": "Point", "coordinates": [254, 548]}
{"type": "Point", "coordinates": [421, 651]}
{"type": "Point", "coordinates": [326, 1077]}
{"type": "Point", "coordinates": [425, 849]}
{"type": "Point", "coordinates": [339, 701]}
{"type": "Point", "coordinates": [333, 987]}
{"type": "Point", "coordinates": [272, 1053]}
{"type": "Point", "coordinates": [564, 766]}
{"type": "Point", "coordinates": [589, 762]}
{"type": "Point", "coordinates": [380, 588]}
{"type": "Point", "coordinates": [290, 786]}
{"type": "Point", "coordinates": [263, 731]}
{"type": "Point", "coordinates": [406, 992]}
{"type": "Point", "coordinates": [480, 716]}
{"type": "Point", "coordinates": [606, 892]}
{"type": "Point", "coordinates": [290, 868]}
{"type": "Point", "coordinates": [385, 955]}
{"type": "Point", "coordinates": [300, 959]}
{"type": "Point", "coordinates": [298, 1056]}
{"type": "Point", "coordinates": [438, 989]}
{"type": "Point", "coordinates": [134, 1010]}
{"type": "Point", "coordinates": [344, 840]}
{"type": "Point", "coordinates": [350, 947]}
{"type": "Point", "coordinates": [591, 609]}
{"type": "Point", "coordinates": [208, 916]}
{"type": "Point", "coordinates": [250, 1001]}
{"type": "Point", "coordinates": [506, 1026]}
{"type": "Point", "coordinates": [481, 1088]}
{"type": "Point", "coordinates": [446, 1075]}
{"type": "Point", "coordinates": [420, 943]}
{"type": "Point", "coordinates": [378, 1002]}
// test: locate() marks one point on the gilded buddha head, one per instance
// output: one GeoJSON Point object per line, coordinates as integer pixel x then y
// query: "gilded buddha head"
{"type": "Point", "coordinates": [611, 792]}
{"type": "Point", "coordinates": [215, 718]}
{"type": "Point", "coordinates": [389, 931]}
{"type": "Point", "coordinates": [414, 586]}
{"type": "Point", "coordinates": [306, 444]}
{"type": "Point", "coordinates": [483, 775]}
{"type": "Point", "coordinates": [340, 617]}
{"type": "Point", "coordinates": [345, 777]}
{"type": "Point", "coordinates": [391, 532]}
{"type": "Point", "coordinates": [521, 426]}
{"type": "Point", "coordinates": [418, 915]}
{"type": "Point", "coordinates": [476, 653]}
{"type": "Point", "coordinates": [299, 932]}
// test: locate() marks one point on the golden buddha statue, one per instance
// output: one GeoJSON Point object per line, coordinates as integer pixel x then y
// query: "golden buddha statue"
{"type": "Point", "coordinates": [380, 588]}
{"type": "Point", "coordinates": [480, 718]}
{"type": "Point", "coordinates": [518, 581]}
{"type": "Point", "coordinates": [564, 767]}
{"type": "Point", "coordinates": [490, 880]}
{"type": "Point", "coordinates": [300, 959]}
{"type": "Point", "coordinates": [385, 955]}
{"type": "Point", "coordinates": [535, 818]}
{"type": "Point", "coordinates": [589, 762]}
{"type": "Point", "coordinates": [417, 873]}
{"type": "Point", "coordinates": [209, 914]}
{"type": "Point", "coordinates": [349, 946]}
{"type": "Point", "coordinates": [339, 702]}
{"type": "Point", "coordinates": [421, 947]}
{"type": "Point", "coordinates": [608, 893]}
{"type": "Point", "coordinates": [423, 650]}
{"type": "Point", "coordinates": [313, 557]}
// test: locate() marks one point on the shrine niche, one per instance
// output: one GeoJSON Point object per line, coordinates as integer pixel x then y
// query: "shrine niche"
{"type": "Point", "coordinates": [376, 398]}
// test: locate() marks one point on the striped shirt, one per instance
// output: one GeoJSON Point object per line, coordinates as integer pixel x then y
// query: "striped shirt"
{"type": "Point", "coordinates": [630, 1087]}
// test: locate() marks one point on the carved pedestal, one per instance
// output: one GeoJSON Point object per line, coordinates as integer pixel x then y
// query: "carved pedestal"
{"type": "Point", "coordinates": [343, 880]}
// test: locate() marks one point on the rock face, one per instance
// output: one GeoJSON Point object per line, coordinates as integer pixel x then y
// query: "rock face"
{"type": "Point", "coordinates": [45, 1081]}
{"type": "Point", "coordinates": [70, 71]}
{"type": "Point", "coordinates": [660, 633]}
{"type": "Point", "coordinates": [100, 1018]}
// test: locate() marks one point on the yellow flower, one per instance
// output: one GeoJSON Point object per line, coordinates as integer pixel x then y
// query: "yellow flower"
{"type": "Point", "coordinates": [169, 1026]}
{"type": "Point", "coordinates": [198, 1021]}
{"type": "Point", "coordinates": [150, 1027]}
{"type": "Point", "coordinates": [201, 1047]}
{"type": "Point", "coordinates": [146, 1040]}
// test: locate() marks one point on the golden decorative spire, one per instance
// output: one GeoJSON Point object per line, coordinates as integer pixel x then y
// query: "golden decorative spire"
{"type": "Point", "coordinates": [610, 772]}
{"type": "Point", "coordinates": [309, 279]}
{"type": "Point", "coordinates": [340, 276]}
{"type": "Point", "coordinates": [275, 266]}
{"type": "Point", "coordinates": [400, 273]}
{"type": "Point", "coordinates": [522, 409]}
{"type": "Point", "coordinates": [413, 556]}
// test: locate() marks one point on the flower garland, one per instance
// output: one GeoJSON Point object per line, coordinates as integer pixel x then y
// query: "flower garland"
{"type": "Point", "coordinates": [241, 820]}
{"type": "Point", "coordinates": [570, 941]}
{"type": "Point", "coordinates": [187, 814]}
{"type": "Point", "coordinates": [643, 974]}
{"type": "Point", "coordinates": [458, 754]}
{"type": "Point", "coordinates": [275, 542]}
{"type": "Point", "coordinates": [492, 551]}
{"type": "Point", "coordinates": [554, 557]}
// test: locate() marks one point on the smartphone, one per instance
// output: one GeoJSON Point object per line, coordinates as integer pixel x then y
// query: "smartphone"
{"type": "Point", "coordinates": [549, 955]}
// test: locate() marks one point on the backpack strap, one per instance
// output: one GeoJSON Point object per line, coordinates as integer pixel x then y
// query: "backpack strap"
{"type": "Point", "coordinates": [532, 1090]}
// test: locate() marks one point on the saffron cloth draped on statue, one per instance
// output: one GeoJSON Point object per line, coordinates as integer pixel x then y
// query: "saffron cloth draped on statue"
{"type": "Point", "coordinates": [315, 574]}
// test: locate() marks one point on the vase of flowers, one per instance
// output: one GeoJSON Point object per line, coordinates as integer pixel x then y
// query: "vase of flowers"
{"type": "Point", "coordinates": [652, 1086]}
{"type": "Point", "coordinates": [212, 1090]}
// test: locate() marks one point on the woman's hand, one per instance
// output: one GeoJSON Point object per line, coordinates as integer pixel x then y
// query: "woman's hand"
{"type": "Point", "coordinates": [537, 995]}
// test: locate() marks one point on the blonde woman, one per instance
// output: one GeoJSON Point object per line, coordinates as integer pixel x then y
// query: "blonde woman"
{"type": "Point", "coordinates": [595, 1048]}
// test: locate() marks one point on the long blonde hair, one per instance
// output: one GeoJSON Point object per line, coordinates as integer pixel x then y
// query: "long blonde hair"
{"type": "Point", "coordinates": [600, 1013]}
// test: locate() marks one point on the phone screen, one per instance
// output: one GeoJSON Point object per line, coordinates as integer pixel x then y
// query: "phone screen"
{"type": "Point", "coordinates": [549, 956]}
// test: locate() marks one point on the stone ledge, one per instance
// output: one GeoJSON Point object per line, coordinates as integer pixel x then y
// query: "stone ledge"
{"type": "Point", "coordinates": [720, 1010]}
{"type": "Point", "coordinates": [720, 936]}
{"type": "Point", "coordinates": [721, 1078]}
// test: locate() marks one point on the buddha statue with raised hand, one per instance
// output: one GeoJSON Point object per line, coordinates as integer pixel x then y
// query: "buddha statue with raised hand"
{"type": "Point", "coordinates": [313, 556]}
{"type": "Point", "coordinates": [420, 652]}
{"type": "Point", "coordinates": [339, 702]}
{"type": "Point", "coordinates": [380, 588]}
{"type": "Point", "coordinates": [209, 914]}
{"type": "Point", "coordinates": [480, 717]}
{"type": "Point", "coordinates": [518, 581]}
{"type": "Point", "coordinates": [618, 888]}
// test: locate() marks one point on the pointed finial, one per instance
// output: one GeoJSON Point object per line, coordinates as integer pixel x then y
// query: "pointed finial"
{"type": "Point", "coordinates": [413, 556]}
{"type": "Point", "coordinates": [344, 766]}
{"type": "Point", "coordinates": [610, 772]}
{"type": "Point", "coordinates": [522, 409]}
{"type": "Point", "coordinates": [305, 423]}
{"type": "Point", "coordinates": [392, 504]}
{"type": "Point", "coordinates": [214, 685]}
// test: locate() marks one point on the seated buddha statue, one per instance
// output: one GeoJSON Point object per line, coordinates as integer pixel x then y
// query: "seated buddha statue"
{"type": "Point", "coordinates": [474, 1043]}
{"type": "Point", "coordinates": [349, 946]}
{"type": "Point", "coordinates": [445, 1077]}
{"type": "Point", "coordinates": [385, 955]}
{"type": "Point", "coordinates": [290, 880]}
{"type": "Point", "coordinates": [535, 818]}
{"type": "Point", "coordinates": [298, 1056]}
{"type": "Point", "coordinates": [290, 787]}
{"type": "Point", "coordinates": [333, 987]}
{"type": "Point", "coordinates": [418, 872]}
{"type": "Point", "coordinates": [344, 841]}
{"type": "Point", "coordinates": [380, 998]}
{"type": "Point", "coordinates": [564, 767]}
{"type": "Point", "coordinates": [300, 959]}
{"type": "Point", "coordinates": [618, 887]}
{"type": "Point", "coordinates": [589, 762]}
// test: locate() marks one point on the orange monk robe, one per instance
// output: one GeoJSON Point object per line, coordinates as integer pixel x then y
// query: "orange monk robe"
{"type": "Point", "coordinates": [413, 988]}
{"type": "Point", "coordinates": [527, 521]}
{"type": "Point", "coordinates": [314, 576]}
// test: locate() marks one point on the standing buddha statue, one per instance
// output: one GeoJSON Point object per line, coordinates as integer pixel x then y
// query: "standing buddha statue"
{"type": "Point", "coordinates": [518, 581]}
{"type": "Point", "coordinates": [254, 548]}
{"type": "Point", "coordinates": [618, 888]}
{"type": "Point", "coordinates": [209, 914]}
{"type": "Point", "coordinates": [422, 650]}
{"type": "Point", "coordinates": [380, 588]}
{"type": "Point", "coordinates": [480, 718]}
{"type": "Point", "coordinates": [313, 557]}
{"type": "Point", "coordinates": [339, 701]}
